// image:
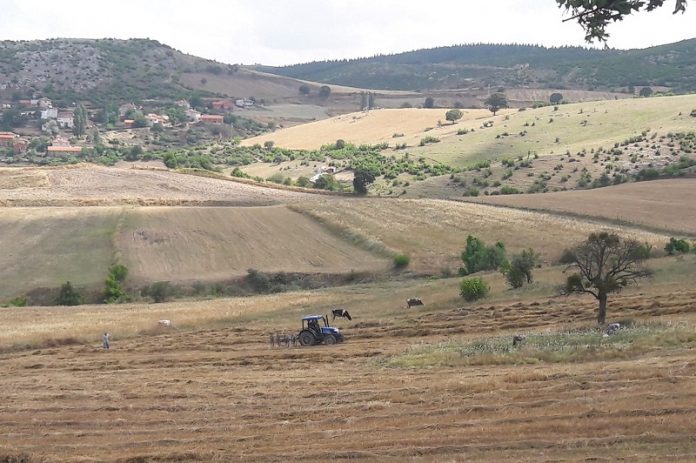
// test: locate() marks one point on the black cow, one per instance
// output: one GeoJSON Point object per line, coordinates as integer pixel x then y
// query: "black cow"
{"type": "Point", "coordinates": [410, 302]}
{"type": "Point", "coordinates": [340, 313]}
{"type": "Point", "coordinates": [518, 339]}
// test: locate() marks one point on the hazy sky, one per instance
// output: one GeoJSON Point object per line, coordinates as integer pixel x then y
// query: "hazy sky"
{"type": "Point", "coordinates": [285, 32]}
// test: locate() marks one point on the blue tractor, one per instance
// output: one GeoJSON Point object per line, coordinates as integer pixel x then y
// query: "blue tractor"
{"type": "Point", "coordinates": [316, 330]}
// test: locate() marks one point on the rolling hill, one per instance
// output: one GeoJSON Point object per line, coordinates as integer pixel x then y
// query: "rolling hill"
{"type": "Point", "coordinates": [479, 65]}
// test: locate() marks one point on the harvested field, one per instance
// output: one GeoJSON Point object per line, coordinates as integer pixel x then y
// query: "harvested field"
{"type": "Point", "coordinates": [369, 127]}
{"type": "Point", "coordinates": [47, 246]}
{"type": "Point", "coordinates": [219, 243]}
{"type": "Point", "coordinates": [91, 185]}
{"type": "Point", "coordinates": [668, 205]}
{"type": "Point", "coordinates": [433, 232]}
{"type": "Point", "coordinates": [213, 394]}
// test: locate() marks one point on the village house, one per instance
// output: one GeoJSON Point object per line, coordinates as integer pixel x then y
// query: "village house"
{"type": "Point", "coordinates": [65, 119]}
{"type": "Point", "coordinates": [244, 103]}
{"type": "Point", "coordinates": [49, 113]}
{"type": "Point", "coordinates": [12, 140]}
{"type": "Point", "coordinates": [129, 123]}
{"type": "Point", "coordinates": [7, 138]}
{"type": "Point", "coordinates": [184, 104]}
{"type": "Point", "coordinates": [193, 115]}
{"type": "Point", "coordinates": [212, 119]}
{"type": "Point", "coordinates": [64, 150]}
{"type": "Point", "coordinates": [157, 119]}
{"type": "Point", "coordinates": [223, 105]}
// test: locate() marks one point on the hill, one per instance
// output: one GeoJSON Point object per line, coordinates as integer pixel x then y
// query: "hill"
{"type": "Point", "coordinates": [511, 133]}
{"type": "Point", "coordinates": [104, 71]}
{"type": "Point", "coordinates": [480, 65]}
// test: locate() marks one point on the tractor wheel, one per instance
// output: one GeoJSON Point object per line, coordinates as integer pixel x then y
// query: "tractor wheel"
{"type": "Point", "coordinates": [330, 339]}
{"type": "Point", "coordinates": [306, 338]}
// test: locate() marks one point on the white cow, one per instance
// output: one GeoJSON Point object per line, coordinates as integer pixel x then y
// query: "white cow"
{"type": "Point", "coordinates": [165, 323]}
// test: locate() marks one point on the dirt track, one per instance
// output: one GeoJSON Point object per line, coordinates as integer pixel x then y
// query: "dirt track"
{"type": "Point", "coordinates": [225, 395]}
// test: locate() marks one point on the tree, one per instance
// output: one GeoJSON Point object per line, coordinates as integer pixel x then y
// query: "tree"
{"type": "Point", "coordinates": [79, 121]}
{"type": "Point", "coordinates": [304, 89]}
{"type": "Point", "coordinates": [520, 268]}
{"type": "Point", "coordinates": [477, 256]}
{"type": "Point", "coordinates": [496, 101]}
{"type": "Point", "coordinates": [429, 102]}
{"type": "Point", "coordinates": [646, 92]}
{"type": "Point", "coordinates": [555, 98]}
{"type": "Point", "coordinates": [453, 115]}
{"type": "Point", "coordinates": [324, 91]}
{"type": "Point", "coordinates": [68, 295]}
{"type": "Point", "coordinates": [370, 100]}
{"type": "Point", "coordinates": [327, 182]}
{"type": "Point", "coordinates": [159, 291]}
{"type": "Point", "coordinates": [11, 118]}
{"type": "Point", "coordinates": [605, 264]}
{"type": "Point", "coordinates": [361, 179]}
{"type": "Point", "coordinates": [363, 101]}
{"type": "Point", "coordinates": [595, 15]}
{"type": "Point", "coordinates": [114, 291]}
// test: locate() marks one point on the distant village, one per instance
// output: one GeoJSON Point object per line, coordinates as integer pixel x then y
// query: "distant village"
{"type": "Point", "coordinates": [55, 125]}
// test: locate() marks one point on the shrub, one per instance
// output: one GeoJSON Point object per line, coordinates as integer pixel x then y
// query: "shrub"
{"type": "Point", "coordinates": [477, 256]}
{"type": "Point", "coordinates": [19, 301]}
{"type": "Point", "coordinates": [302, 181]}
{"type": "Point", "coordinates": [159, 291]}
{"type": "Point", "coordinates": [567, 257]}
{"type": "Point", "coordinates": [473, 289]}
{"type": "Point", "coordinates": [520, 268]}
{"type": "Point", "coordinates": [401, 261]}
{"type": "Point", "coordinates": [675, 246]}
{"type": "Point", "coordinates": [429, 139]}
{"type": "Point", "coordinates": [114, 292]}
{"type": "Point", "coordinates": [68, 295]}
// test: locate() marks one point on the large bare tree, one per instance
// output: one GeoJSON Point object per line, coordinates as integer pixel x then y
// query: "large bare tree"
{"type": "Point", "coordinates": [605, 264]}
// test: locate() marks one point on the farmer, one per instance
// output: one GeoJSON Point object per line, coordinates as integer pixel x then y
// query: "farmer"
{"type": "Point", "coordinates": [105, 340]}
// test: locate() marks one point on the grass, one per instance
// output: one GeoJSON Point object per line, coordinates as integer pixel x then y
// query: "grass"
{"type": "Point", "coordinates": [576, 345]}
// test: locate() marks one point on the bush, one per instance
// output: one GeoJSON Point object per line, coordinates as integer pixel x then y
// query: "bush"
{"type": "Point", "coordinates": [567, 257]}
{"type": "Point", "coordinates": [520, 268]}
{"type": "Point", "coordinates": [114, 292]}
{"type": "Point", "coordinates": [477, 256]}
{"type": "Point", "coordinates": [677, 246]}
{"type": "Point", "coordinates": [473, 289]}
{"type": "Point", "coordinates": [19, 301]}
{"type": "Point", "coordinates": [159, 292]}
{"type": "Point", "coordinates": [302, 181]}
{"type": "Point", "coordinates": [68, 295]}
{"type": "Point", "coordinates": [401, 261]}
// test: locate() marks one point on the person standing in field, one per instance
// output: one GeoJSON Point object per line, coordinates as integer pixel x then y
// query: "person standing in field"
{"type": "Point", "coordinates": [106, 340]}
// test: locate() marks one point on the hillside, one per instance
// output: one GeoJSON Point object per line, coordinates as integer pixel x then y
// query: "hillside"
{"type": "Point", "coordinates": [104, 71]}
{"type": "Point", "coordinates": [469, 66]}
{"type": "Point", "coordinates": [512, 133]}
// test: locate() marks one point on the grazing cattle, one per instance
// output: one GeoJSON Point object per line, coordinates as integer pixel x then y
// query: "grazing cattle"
{"type": "Point", "coordinates": [613, 328]}
{"type": "Point", "coordinates": [340, 313]}
{"type": "Point", "coordinates": [165, 323]}
{"type": "Point", "coordinates": [518, 339]}
{"type": "Point", "coordinates": [413, 301]}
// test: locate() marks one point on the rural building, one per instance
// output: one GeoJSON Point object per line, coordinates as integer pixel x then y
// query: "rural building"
{"type": "Point", "coordinates": [184, 104]}
{"type": "Point", "coordinates": [193, 115]}
{"type": "Point", "coordinates": [64, 150]}
{"type": "Point", "coordinates": [224, 105]}
{"type": "Point", "coordinates": [7, 138]}
{"type": "Point", "coordinates": [20, 145]}
{"type": "Point", "coordinates": [212, 119]}
{"type": "Point", "coordinates": [12, 140]}
{"type": "Point", "coordinates": [128, 123]}
{"type": "Point", "coordinates": [157, 119]}
{"type": "Point", "coordinates": [49, 113]}
{"type": "Point", "coordinates": [65, 119]}
{"type": "Point", "coordinates": [244, 103]}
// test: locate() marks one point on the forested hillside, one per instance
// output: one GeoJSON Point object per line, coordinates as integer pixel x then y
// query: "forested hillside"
{"type": "Point", "coordinates": [463, 66]}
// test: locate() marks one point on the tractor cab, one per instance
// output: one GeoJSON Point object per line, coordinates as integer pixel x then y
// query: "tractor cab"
{"type": "Point", "coordinates": [316, 330]}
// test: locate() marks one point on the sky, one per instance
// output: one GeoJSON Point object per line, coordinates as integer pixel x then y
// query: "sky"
{"type": "Point", "coordinates": [277, 32]}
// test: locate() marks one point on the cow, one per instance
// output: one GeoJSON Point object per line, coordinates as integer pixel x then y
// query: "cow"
{"type": "Point", "coordinates": [518, 339]}
{"type": "Point", "coordinates": [612, 328]}
{"type": "Point", "coordinates": [413, 301]}
{"type": "Point", "coordinates": [165, 323]}
{"type": "Point", "coordinates": [340, 313]}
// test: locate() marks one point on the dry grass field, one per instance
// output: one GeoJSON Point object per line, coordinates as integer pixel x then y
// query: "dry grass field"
{"type": "Point", "coordinates": [212, 389]}
{"type": "Point", "coordinates": [47, 246]}
{"type": "Point", "coordinates": [91, 185]}
{"type": "Point", "coordinates": [433, 233]}
{"type": "Point", "coordinates": [219, 243]}
{"type": "Point", "coordinates": [371, 127]}
{"type": "Point", "coordinates": [668, 205]}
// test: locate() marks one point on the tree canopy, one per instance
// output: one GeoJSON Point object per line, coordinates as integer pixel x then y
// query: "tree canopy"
{"type": "Point", "coordinates": [595, 15]}
{"type": "Point", "coordinates": [496, 101]}
{"type": "Point", "coordinates": [605, 264]}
